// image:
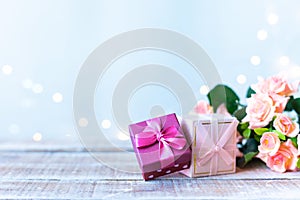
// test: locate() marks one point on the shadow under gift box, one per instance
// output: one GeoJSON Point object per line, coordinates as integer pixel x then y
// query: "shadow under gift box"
{"type": "Point", "coordinates": [213, 139]}
{"type": "Point", "coordinates": [152, 161]}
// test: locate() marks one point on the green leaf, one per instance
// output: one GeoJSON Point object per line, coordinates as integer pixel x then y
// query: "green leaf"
{"type": "Point", "coordinates": [240, 114]}
{"type": "Point", "coordinates": [289, 105]}
{"type": "Point", "coordinates": [280, 135]}
{"type": "Point", "coordinates": [223, 94]}
{"type": "Point", "coordinates": [247, 133]}
{"type": "Point", "coordinates": [296, 105]}
{"type": "Point", "coordinates": [298, 163]}
{"type": "Point", "coordinates": [294, 141]}
{"type": "Point", "coordinates": [249, 150]}
{"type": "Point", "coordinates": [257, 137]}
{"type": "Point", "coordinates": [249, 156]}
{"type": "Point", "coordinates": [246, 159]}
{"type": "Point", "coordinates": [260, 131]}
{"type": "Point", "coordinates": [244, 125]}
{"type": "Point", "coordinates": [250, 92]}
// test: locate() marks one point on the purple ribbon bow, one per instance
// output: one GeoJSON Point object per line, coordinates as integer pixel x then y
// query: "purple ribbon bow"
{"type": "Point", "coordinates": [168, 138]}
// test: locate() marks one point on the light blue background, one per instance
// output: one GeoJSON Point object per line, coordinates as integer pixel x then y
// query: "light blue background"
{"type": "Point", "coordinates": [47, 42]}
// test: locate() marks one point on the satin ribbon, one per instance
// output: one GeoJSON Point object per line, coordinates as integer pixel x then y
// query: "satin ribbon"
{"type": "Point", "coordinates": [167, 138]}
{"type": "Point", "coordinates": [217, 150]}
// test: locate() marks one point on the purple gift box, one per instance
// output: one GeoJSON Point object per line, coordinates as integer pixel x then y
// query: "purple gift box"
{"type": "Point", "coordinates": [160, 146]}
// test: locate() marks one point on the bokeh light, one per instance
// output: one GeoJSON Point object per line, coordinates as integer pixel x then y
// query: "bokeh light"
{"type": "Point", "coordinates": [255, 60]}
{"type": "Point", "coordinates": [122, 136]}
{"type": "Point", "coordinates": [262, 34]}
{"type": "Point", "coordinates": [204, 90]}
{"type": "Point", "coordinates": [272, 19]}
{"type": "Point", "coordinates": [7, 69]}
{"type": "Point", "coordinates": [241, 79]}
{"type": "Point", "coordinates": [37, 88]}
{"type": "Point", "coordinates": [106, 124]}
{"type": "Point", "coordinates": [83, 122]}
{"type": "Point", "coordinates": [57, 97]}
{"type": "Point", "coordinates": [37, 137]}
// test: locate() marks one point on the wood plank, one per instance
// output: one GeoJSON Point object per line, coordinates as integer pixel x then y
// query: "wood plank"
{"type": "Point", "coordinates": [159, 189]}
{"type": "Point", "coordinates": [67, 175]}
{"type": "Point", "coordinates": [59, 146]}
{"type": "Point", "coordinates": [82, 166]}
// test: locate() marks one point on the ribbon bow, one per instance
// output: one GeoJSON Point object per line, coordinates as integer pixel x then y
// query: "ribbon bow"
{"type": "Point", "coordinates": [168, 138]}
{"type": "Point", "coordinates": [218, 147]}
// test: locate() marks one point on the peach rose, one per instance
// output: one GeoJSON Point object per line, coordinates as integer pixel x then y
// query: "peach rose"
{"type": "Point", "coordinates": [263, 156]}
{"type": "Point", "coordinates": [286, 126]}
{"type": "Point", "coordinates": [269, 143]}
{"type": "Point", "coordinates": [279, 102]}
{"type": "Point", "coordinates": [260, 111]}
{"type": "Point", "coordinates": [285, 158]}
{"type": "Point", "coordinates": [203, 107]}
{"type": "Point", "coordinates": [276, 84]}
{"type": "Point", "coordinates": [279, 85]}
{"type": "Point", "coordinates": [261, 87]}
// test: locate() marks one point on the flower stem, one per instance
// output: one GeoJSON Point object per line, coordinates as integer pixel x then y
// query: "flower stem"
{"type": "Point", "coordinates": [238, 103]}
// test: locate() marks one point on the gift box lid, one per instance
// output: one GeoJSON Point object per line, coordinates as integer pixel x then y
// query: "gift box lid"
{"type": "Point", "coordinates": [193, 120]}
{"type": "Point", "coordinates": [206, 118]}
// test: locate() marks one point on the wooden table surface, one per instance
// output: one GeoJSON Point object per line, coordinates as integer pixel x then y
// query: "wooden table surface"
{"type": "Point", "coordinates": [57, 173]}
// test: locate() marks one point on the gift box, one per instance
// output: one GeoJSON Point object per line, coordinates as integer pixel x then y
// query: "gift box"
{"type": "Point", "coordinates": [160, 146]}
{"type": "Point", "coordinates": [213, 140]}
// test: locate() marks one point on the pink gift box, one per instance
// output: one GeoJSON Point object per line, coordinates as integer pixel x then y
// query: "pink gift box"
{"type": "Point", "coordinates": [160, 146]}
{"type": "Point", "coordinates": [214, 144]}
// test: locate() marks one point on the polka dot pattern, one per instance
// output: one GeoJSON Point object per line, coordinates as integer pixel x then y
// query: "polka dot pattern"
{"type": "Point", "coordinates": [151, 176]}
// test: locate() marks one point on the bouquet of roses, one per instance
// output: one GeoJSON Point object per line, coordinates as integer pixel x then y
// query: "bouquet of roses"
{"type": "Point", "coordinates": [267, 126]}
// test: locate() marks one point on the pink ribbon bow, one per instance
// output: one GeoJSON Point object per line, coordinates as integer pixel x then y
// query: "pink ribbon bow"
{"type": "Point", "coordinates": [167, 138]}
{"type": "Point", "coordinates": [218, 149]}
